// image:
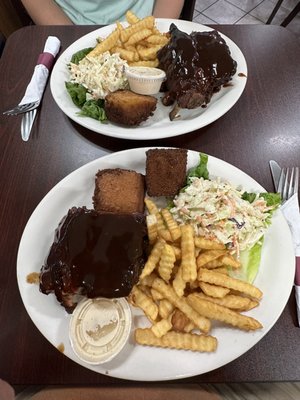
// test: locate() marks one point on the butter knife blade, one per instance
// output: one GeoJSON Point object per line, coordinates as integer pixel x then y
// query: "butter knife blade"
{"type": "Point", "coordinates": [26, 130]}
{"type": "Point", "coordinates": [276, 171]}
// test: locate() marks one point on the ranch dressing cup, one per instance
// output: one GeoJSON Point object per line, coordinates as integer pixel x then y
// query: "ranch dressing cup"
{"type": "Point", "coordinates": [99, 329]}
{"type": "Point", "coordinates": [145, 80]}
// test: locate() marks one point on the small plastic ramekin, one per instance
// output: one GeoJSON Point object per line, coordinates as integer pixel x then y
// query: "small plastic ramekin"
{"type": "Point", "coordinates": [145, 80]}
{"type": "Point", "coordinates": [99, 329]}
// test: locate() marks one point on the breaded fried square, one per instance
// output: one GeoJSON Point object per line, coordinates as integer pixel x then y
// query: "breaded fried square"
{"type": "Point", "coordinates": [119, 191]}
{"type": "Point", "coordinates": [128, 108]}
{"type": "Point", "coordinates": [165, 171]}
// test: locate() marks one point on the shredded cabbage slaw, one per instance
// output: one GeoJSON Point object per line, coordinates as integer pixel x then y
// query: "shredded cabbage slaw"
{"type": "Point", "coordinates": [100, 75]}
{"type": "Point", "coordinates": [217, 211]}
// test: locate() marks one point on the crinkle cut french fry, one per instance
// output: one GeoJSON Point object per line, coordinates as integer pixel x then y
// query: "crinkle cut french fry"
{"type": "Point", "coordinates": [178, 283]}
{"type": "Point", "coordinates": [151, 206]}
{"type": "Point", "coordinates": [143, 301]}
{"type": "Point", "coordinates": [213, 290]}
{"type": "Point", "coordinates": [180, 302]}
{"type": "Point", "coordinates": [148, 279]}
{"type": "Point", "coordinates": [138, 36]}
{"type": "Point", "coordinates": [239, 303]}
{"type": "Point", "coordinates": [153, 259]}
{"type": "Point", "coordinates": [149, 53]}
{"type": "Point", "coordinates": [161, 327]}
{"type": "Point", "coordinates": [166, 262]}
{"type": "Point", "coordinates": [106, 44]}
{"type": "Point", "coordinates": [127, 55]}
{"type": "Point", "coordinates": [188, 262]}
{"type": "Point", "coordinates": [157, 39]}
{"type": "Point", "coordinates": [177, 252]}
{"type": "Point", "coordinates": [156, 295]}
{"type": "Point", "coordinates": [207, 244]}
{"type": "Point", "coordinates": [172, 225]}
{"type": "Point", "coordinates": [208, 255]}
{"type": "Point", "coordinates": [223, 314]}
{"type": "Point", "coordinates": [161, 228]}
{"type": "Point", "coordinates": [189, 327]}
{"type": "Point", "coordinates": [145, 23]}
{"type": "Point", "coordinates": [210, 276]}
{"type": "Point", "coordinates": [131, 17]}
{"type": "Point", "coordinates": [165, 308]}
{"type": "Point", "coordinates": [176, 340]}
{"type": "Point", "coordinates": [221, 270]}
{"type": "Point", "coordinates": [151, 223]}
{"type": "Point", "coordinates": [230, 261]}
{"type": "Point", "coordinates": [213, 264]}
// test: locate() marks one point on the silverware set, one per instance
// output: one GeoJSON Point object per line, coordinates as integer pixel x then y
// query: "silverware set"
{"type": "Point", "coordinates": [29, 111]}
{"type": "Point", "coordinates": [286, 182]}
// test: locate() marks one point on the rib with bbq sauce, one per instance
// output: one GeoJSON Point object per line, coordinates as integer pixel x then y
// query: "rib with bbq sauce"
{"type": "Point", "coordinates": [196, 65]}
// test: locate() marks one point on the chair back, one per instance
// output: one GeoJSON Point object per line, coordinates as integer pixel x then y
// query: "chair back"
{"type": "Point", "coordinates": [13, 16]}
{"type": "Point", "coordinates": [188, 10]}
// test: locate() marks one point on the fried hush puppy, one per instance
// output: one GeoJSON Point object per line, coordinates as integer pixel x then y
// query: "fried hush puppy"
{"type": "Point", "coordinates": [127, 108]}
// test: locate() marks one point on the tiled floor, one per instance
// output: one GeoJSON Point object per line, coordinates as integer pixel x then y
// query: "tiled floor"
{"type": "Point", "coordinates": [245, 12]}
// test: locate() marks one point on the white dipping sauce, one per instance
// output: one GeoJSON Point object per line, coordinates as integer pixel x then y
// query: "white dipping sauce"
{"type": "Point", "coordinates": [145, 80]}
{"type": "Point", "coordinates": [99, 329]}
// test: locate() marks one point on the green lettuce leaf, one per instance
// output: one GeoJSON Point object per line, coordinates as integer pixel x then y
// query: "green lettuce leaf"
{"type": "Point", "coordinates": [249, 196]}
{"type": "Point", "coordinates": [200, 170]}
{"type": "Point", "coordinates": [89, 108]}
{"type": "Point", "coordinates": [76, 57]}
{"type": "Point", "coordinates": [272, 199]}
{"type": "Point", "coordinates": [250, 260]}
{"type": "Point", "coordinates": [94, 109]}
{"type": "Point", "coordinates": [77, 93]}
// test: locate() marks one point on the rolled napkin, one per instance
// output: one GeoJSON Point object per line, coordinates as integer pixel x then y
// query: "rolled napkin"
{"type": "Point", "coordinates": [291, 212]}
{"type": "Point", "coordinates": [36, 86]}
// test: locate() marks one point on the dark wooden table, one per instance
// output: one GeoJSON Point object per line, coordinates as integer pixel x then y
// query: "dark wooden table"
{"type": "Point", "coordinates": [264, 124]}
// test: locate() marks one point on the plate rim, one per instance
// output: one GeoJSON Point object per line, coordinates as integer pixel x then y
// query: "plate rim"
{"type": "Point", "coordinates": [254, 341]}
{"type": "Point", "coordinates": [145, 132]}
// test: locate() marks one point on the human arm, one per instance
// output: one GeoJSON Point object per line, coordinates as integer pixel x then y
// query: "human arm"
{"type": "Point", "coordinates": [46, 12]}
{"type": "Point", "coordinates": [167, 8]}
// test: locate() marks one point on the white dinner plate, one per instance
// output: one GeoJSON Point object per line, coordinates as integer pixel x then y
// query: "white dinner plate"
{"type": "Point", "coordinates": [275, 278]}
{"type": "Point", "coordinates": [159, 125]}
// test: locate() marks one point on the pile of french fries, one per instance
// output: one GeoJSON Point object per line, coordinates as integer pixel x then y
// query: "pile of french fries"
{"type": "Point", "coordinates": [137, 43]}
{"type": "Point", "coordinates": [185, 285]}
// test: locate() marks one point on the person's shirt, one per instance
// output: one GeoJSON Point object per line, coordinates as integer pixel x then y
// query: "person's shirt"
{"type": "Point", "coordinates": [103, 12]}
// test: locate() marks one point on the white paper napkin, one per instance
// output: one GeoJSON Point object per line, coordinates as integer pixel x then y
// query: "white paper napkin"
{"type": "Point", "coordinates": [291, 212]}
{"type": "Point", "coordinates": [36, 86]}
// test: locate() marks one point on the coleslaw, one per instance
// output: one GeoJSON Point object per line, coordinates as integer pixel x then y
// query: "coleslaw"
{"type": "Point", "coordinates": [219, 211]}
{"type": "Point", "coordinates": [100, 75]}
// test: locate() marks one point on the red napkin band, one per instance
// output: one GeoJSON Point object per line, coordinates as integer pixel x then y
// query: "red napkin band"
{"type": "Point", "coordinates": [46, 59]}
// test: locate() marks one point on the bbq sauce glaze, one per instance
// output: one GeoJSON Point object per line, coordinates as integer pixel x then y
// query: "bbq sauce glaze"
{"type": "Point", "coordinates": [98, 255]}
{"type": "Point", "coordinates": [196, 64]}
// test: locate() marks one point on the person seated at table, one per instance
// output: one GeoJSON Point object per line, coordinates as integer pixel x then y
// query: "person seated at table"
{"type": "Point", "coordinates": [100, 12]}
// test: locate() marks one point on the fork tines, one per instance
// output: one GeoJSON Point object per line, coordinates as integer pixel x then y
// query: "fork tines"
{"type": "Point", "coordinates": [21, 108]}
{"type": "Point", "coordinates": [288, 182]}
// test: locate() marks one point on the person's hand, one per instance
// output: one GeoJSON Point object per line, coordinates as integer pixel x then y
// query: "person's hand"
{"type": "Point", "coordinates": [6, 391]}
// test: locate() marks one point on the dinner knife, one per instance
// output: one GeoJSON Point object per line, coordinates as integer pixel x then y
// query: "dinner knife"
{"type": "Point", "coordinates": [290, 210]}
{"type": "Point", "coordinates": [27, 123]}
{"type": "Point", "coordinates": [276, 171]}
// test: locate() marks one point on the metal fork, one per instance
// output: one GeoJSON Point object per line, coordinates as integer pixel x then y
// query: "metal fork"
{"type": "Point", "coordinates": [288, 182]}
{"type": "Point", "coordinates": [22, 108]}
{"type": "Point", "coordinates": [26, 124]}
